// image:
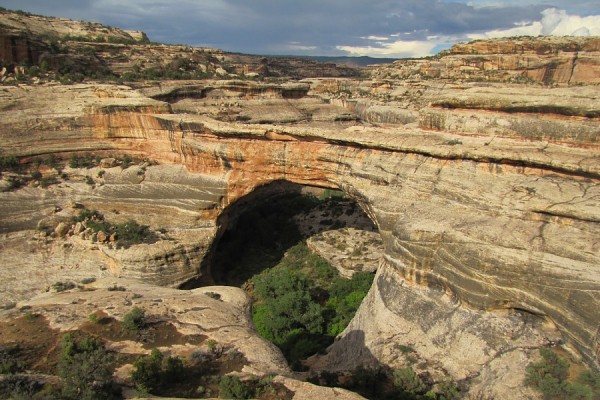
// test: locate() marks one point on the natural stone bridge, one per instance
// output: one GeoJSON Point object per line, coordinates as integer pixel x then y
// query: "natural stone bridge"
{"type": "Point", "coordinates": [476, 216]}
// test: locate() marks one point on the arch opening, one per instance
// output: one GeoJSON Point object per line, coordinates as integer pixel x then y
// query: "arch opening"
{"type": "Point", "coordinates": [305, 255]}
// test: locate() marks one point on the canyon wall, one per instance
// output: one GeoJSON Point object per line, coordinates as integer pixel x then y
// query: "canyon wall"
{"type": "Point", "coordinates": [548, 60]}
{"type": "Point", "coordinates": [492, 219]}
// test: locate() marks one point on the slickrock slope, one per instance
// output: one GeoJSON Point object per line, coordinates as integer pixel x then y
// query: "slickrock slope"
{"type": "Point", "coordinates": [549, 60]}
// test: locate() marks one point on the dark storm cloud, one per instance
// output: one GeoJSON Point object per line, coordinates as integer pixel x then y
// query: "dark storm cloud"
{"type": "Point", "coordinates": [292, 26]}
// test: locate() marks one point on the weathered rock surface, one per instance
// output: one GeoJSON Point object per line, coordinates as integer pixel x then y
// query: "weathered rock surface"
{"type": "Point", "coordinates": [548, 60]}
{"type": "Point", "coordinates": [486, 196]}
{"type": "Point", "coordinates": [439, 336]}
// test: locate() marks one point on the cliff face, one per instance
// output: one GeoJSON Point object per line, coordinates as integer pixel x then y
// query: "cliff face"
{"type": "Point", "coordinates": [493, 219]}
{"type": "Point", "coordinates": [486, 197]}
{"type": "Point", "coordinates": [74, 47]}
{"type": "Point", "coordinates": [548, 60]}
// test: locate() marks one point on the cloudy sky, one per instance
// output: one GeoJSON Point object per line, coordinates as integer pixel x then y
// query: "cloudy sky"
{"type": "Point", "coordinates": [378, 28]}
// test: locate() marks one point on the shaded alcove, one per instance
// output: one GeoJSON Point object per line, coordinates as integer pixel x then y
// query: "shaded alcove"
{"type": "Point", "coordinates": [284, 245]}
{"type": "Point", "coordinates": [261, 226]}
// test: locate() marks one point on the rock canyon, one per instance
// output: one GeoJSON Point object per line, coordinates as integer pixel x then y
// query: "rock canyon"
{"type": "Point", "coordinates": [479, 168]}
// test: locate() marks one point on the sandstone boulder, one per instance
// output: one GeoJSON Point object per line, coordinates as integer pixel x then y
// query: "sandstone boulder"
{"type": "Point", "coordinates": [62, 229]}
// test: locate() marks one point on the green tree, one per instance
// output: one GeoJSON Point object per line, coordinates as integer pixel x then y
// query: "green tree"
{"type": "Point", "coordinates": [154, 372]}
{"type": "Point", "coordinates": [86, 369]}
{"type": "Point", "coordinates": [147, 372]}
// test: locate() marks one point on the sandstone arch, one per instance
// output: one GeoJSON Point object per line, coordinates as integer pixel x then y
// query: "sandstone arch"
{"type": "Point", "coordinates": [492, 221]}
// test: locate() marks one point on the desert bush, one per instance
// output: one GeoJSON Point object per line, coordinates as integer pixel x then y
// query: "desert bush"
{"type": "Point", "coordinates": [154, 372]}
{"type": "Point", "coordinates": [8, 162]}
{"type": "Point", "coordinates": [9, 359]}
{"type": "Point", "coordinates": [47, 181]}
{"type": "Point", "coordinates": [231, 387]}
{"type": "Point", "coordinates": [20, 387]}
{"type": "Point", "coordinates": [93, 317]}
{"type": "Point", "coordinates": [131, 232]}
{"type": "Point", "coordinates": [85, 369]}
{"type": "Point", "coordinates": [550, 376]}
{"type": "Point", "coordinates": [134, 320]}
{"type": "Point", "coordinates": [63, 286]}
{"type": "Point", "coordinates": [408, 381]}
{"type": "Point", "coordinates": [213, 295]}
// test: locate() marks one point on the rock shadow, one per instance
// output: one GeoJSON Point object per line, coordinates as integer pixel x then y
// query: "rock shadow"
{"type": "Point", "coordinates": [255, 232]}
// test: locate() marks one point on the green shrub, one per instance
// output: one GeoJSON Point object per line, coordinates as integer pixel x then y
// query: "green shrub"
{"type": "Point", "coordinates": [86, 369]}
{"type": "Point", "coordinates": [9, 359]}
{"type": "Point", "coordinates": [93, 317]}
{"type": "Point", "coordinates": [130, 233]}
{"type": "Point", "coordinates": [231, 387]}
{"type": "Point", "coordinates": [87, 215]}
{"type": "Point", "coordinates": [550, 374]}
{"type": "Point", "coordinates": [213, 295]}
{"type": "Point", "coordinates": [47, 181]}
{"type": "Point", "coordinates": [134, 320]}
{"type": "Point", "coordinates": [8, 163]}
{"type": "Point", "coordinates": [408, 381]}
{"type": "Point", "coordinates": [154, 372]}
{"type": "Point", "coordinates": [63, 286]}
{"type": "Point", "coordinates": [36, 175]}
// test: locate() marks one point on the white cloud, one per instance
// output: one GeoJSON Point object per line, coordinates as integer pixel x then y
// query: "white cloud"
{"type": "Point", "coordinates": [553, 22]}
{"type": "Point", "coordinates": [378, 38]}
{"type": "Point", "coordinates": [396, 49]}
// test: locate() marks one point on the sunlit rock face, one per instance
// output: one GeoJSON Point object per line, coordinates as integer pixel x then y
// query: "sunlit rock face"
{"type": "Point", "coordinates": [550, 59]}
{"type": "Point", "coordinates": [484, 208]}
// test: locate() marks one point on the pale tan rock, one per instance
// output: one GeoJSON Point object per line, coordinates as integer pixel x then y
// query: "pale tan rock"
{"type": "Point", "coordinates": [78, 228]}
{"type": "Point", "coordinates": [101, 237]}
{"type": "Point", "coordinates": [62, 229]}
{"type": "Point", "coordinates": [108, 163]}
{"type": "Point", "coordinates": [482, 217]}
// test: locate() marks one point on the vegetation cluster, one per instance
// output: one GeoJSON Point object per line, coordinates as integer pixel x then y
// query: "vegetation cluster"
{"type": "Point", "coordinates": [84, 367]}
{"type": "Point", "coordinates": [551, 376]}
{"type": "Point", "coordinates": [126, 233]}
{"type": "Point", "coordinates": [302, 303]}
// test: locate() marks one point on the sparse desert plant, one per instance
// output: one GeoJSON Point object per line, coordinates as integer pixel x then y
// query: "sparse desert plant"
{"type": "Point", "coordinates": [231, 387]}
{"type": "Point", "coordinates": [550, 376]}
{"type": "Point", "coordinates": [62, 286]}
{"type": "Point", "coordinates": [408, 381]}
{"type": "Point", "coordinates": [214, 295]}
{"type": "Point", "coordinates": [153, 372]}
{"type": "Point", "coordinates": [93, 317]}
{"type": "Point", "coordinates": [134, 320]}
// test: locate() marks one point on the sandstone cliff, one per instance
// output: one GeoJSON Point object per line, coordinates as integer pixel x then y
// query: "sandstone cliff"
{"type": "Point", "coordinates": [490, 219]}
{"type": "Point", "coordinates": [485, 197]}
{"type": "Point", "coordinates": [73, 50]}
{"type": "Point", "coordinates": [548, 60]}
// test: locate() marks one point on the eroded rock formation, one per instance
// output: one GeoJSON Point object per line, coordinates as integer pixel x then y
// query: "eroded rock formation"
{"type": "Point", "coordinates": [549, 60]}
{"type": "Point", "coordinates": [486, 197]}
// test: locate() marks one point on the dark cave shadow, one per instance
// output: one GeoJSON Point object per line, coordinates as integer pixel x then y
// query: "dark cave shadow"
{"type": "Point", "coordinates": [258, 229]}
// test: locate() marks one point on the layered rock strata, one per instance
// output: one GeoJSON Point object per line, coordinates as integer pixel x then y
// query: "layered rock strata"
{"type": "Point", "coordinates": [548, 60]}
{"type": "Point", "coordinates": [475, 208]}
